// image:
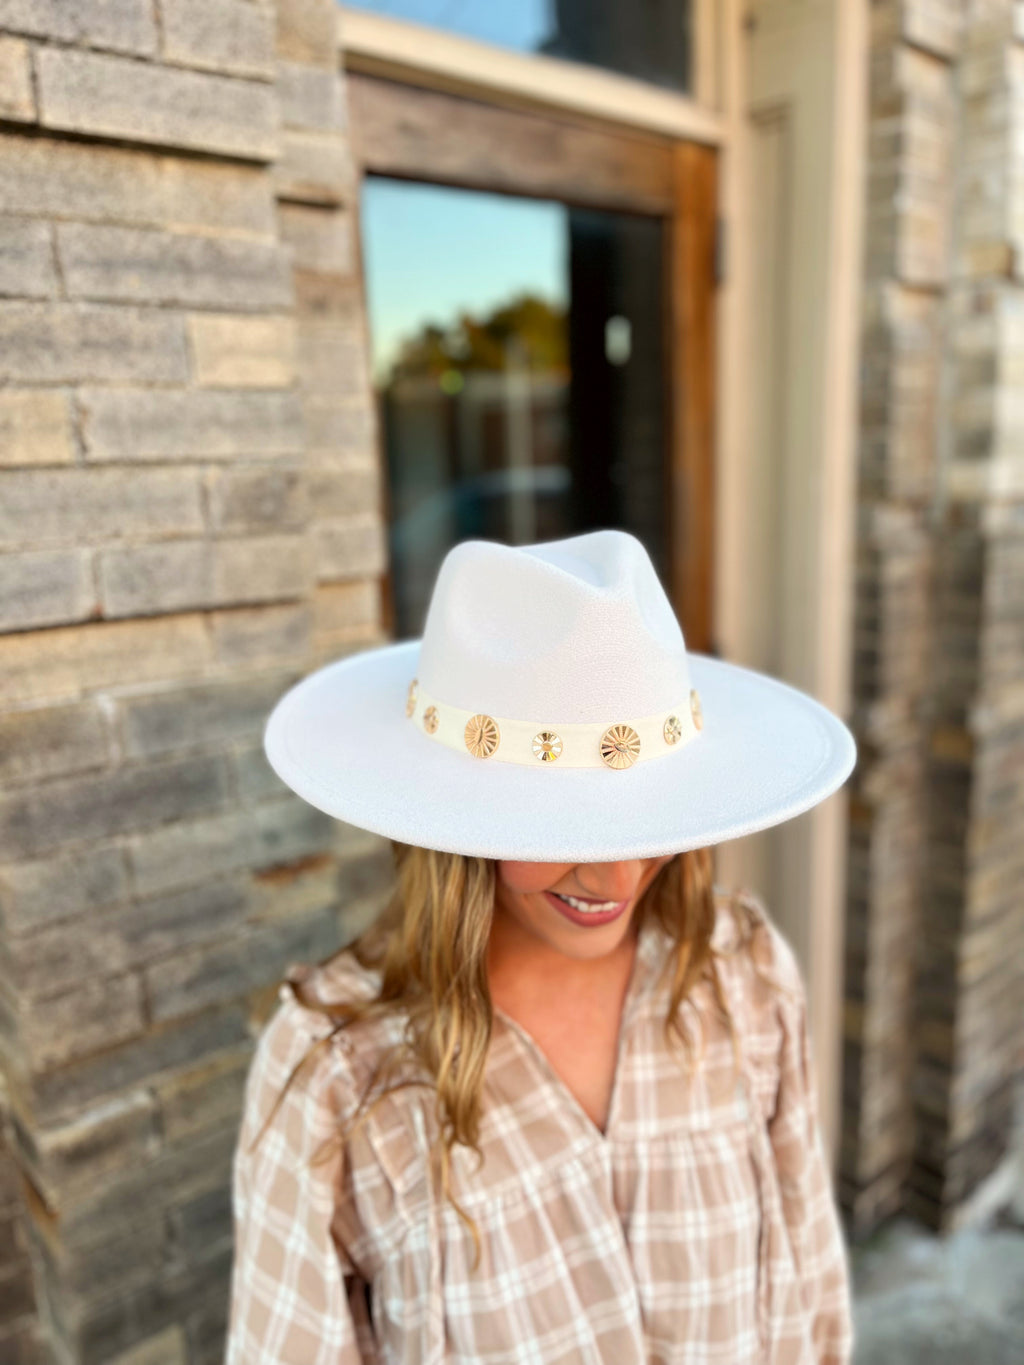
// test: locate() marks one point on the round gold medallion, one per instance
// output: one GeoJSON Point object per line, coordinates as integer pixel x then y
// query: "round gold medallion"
{"type": "Point", "coordinates": [481, 736]}
{"type": "Point", "coordinates": [695, 711]}
{"type": "Point", "coordinates": [672, 730]}
{"type": "Point", "coordinates": [547, 746]}
{"type": "Point", "coordinates": [410, 701]}
{"type": "Point", "coordinates": [620, 745]}
{"type": "Point", "coordinates": [430, 719]}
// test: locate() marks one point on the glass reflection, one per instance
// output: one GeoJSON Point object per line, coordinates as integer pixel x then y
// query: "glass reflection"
{"type": "Point", "coordinates": [517, 368]}
{"type": "Point", "coordinates": [648, 39]}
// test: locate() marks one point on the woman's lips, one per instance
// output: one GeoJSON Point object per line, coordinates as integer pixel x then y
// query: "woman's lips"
{"type": "Point", "coordinates": [587, 919]}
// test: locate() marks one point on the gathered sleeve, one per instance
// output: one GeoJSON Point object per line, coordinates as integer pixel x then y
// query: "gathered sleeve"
{"type": "Point", "coordinates": [805, 1182]}
{"type": "Point", "coordinates": [296, 1297]}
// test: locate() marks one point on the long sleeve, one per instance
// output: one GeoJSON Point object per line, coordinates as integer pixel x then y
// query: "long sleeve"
{"type": "Point", "coordinates": [296, 1298]}
{"type": "Point", "coordinates": [809, 1207]}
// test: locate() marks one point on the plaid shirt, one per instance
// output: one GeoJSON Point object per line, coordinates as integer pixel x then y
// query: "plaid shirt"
{"type": "Point", "coordinates": [700, 1227]}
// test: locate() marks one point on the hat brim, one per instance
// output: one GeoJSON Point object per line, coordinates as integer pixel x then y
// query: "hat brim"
{"type": "Point", "coordinates": [341, 739]}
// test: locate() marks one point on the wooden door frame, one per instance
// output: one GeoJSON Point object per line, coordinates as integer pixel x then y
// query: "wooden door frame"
{"type": "Point", "coordinates": [407, 131]}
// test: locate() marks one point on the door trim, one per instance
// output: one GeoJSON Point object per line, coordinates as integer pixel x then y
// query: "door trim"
{"type": "Point", "coordinates": [432, 135]}
{"type": "Point", "coordinates": [432, 58]}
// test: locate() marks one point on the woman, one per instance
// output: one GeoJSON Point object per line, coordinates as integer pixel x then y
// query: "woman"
{"type": "Point", "coordinates": [558, 1103]}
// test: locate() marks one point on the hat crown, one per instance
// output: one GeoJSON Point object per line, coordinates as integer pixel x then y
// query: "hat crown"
{"type": "Point", "coordinates": [575, 631]}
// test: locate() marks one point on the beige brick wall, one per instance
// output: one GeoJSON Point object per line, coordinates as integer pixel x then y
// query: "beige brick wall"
{"type": "Point", "coordinates": [934, 1035]}
{"type": "Point", "coordinates": [190, 520]}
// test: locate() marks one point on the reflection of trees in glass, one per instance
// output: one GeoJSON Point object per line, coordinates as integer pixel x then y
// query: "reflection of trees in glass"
{"type": "Point", "coordinates": [533, 326]}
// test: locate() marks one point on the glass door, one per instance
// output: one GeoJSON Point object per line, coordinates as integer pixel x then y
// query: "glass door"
{"type": "Point", "coordinates": [540, 291]}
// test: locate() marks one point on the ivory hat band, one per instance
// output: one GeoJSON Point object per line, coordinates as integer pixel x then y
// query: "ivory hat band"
{"type": "Point", "coordinates": [551, 712]}
{"type": "Point", "coordinates": [506, 740]}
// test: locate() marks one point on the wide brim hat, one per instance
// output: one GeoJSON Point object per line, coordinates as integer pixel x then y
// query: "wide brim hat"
{"type": "Point", "coordinates": [551, 712]}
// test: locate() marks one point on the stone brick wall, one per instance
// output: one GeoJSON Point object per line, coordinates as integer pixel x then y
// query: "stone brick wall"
{"type": "Point", "coordinates": [190, 520]}
{"type": "Point", "coordinates": [935, 985]}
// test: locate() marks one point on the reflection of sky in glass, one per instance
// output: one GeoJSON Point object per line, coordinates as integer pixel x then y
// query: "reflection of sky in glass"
{"type": "Point", "coordinates": [431, 252]}
{"type": "Point", "coordinates": [519, 24]}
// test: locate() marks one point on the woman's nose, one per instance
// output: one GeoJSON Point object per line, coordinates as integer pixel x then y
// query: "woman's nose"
{"type": "Point", "coordinates": [610, 881]}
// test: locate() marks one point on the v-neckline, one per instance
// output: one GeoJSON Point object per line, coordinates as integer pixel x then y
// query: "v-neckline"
{"type": "Point", "coordinates": [637, 977]}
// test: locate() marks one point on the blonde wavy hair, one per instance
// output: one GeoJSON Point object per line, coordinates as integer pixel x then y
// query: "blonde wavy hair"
{"type": "Point", "coordinates": [429, 945]}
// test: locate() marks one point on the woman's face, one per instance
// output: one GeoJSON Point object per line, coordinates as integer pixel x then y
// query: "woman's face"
{"type": "Point", "coordinates": [526, 905]}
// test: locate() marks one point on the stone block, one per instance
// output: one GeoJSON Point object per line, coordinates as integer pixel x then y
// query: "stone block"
{"type": "Point", "coordinates": [333, 358]}
{"type": "Point", "coordinates": [935, 25]}
{"type": "Point", "coordinates": [64, 663]}
{"type": "Point", "coordinates": [175, 1174]}
{"type": "Point", "coordinates": [134, 424]}
{"type": "Point", "coordinates": [71, 506]}
{"type": "Point", "coordinates": [344, 428]}
{"type": "Point", "coordinates": [41, 741]}
{"type": "Point", "coordinates": [314, 168]}
{"type": "Point", "coordinates": [321, 239]}
{"type": "Point", "coordinates": [45, 588]}
{"type": "Point", "coordinates": [233, 36]}
{"type": "Point", "coordinates": [92, 1147]}
{"type": "Point", "coordinates": [198, 715]}
{"type": "Point", "coordinates": [255, 779]}
{"type": "Point", "coordinates": [139, 265]}
{"type": "Point", "coordinates": [311, 98]}
{"type": "Point", "coordinates": [92, 182]}
{"type": "Point", "coordinates": [17, 101]}
{"type": "Point", "coordinates": [203, 1222]}
{"type": "Point", "coordinates": [296, 888]}
{"type": "Point", "coordinates": [268, 634]}
{"type": "Point", "coordinates": [265, 568]}
{"type": "Point", "coordinates": [96, 1015]}
{"type": "Point", "coordinates": [193, 981]}
{"type": "Point", "coordinates": [258, 499]}
{"type": "Point", "coordinates": [168, 576]}
{"type": "Point", "coordinates": [124, 26]}
{"type": "Point", "coordinates": [40, 819]}
{"type": "Point", "coordinates": [345, 488]}
{"type": "Point", "coordinates": [33, 894]}
{"type": "Point", "coordinates": [347, 606]}
{"type": "Point", "coordinates": [230, 351]}
{"type": "Point", "coordinates": [35, 428]}
{"type": "Point", "coordinates": [174, 575]}
{"type": "Point", "coordinates": [73, 343]}
{"type": "Point", "coordinates": [188, 852]}
{"type": "Point", "coordinates": [205, 1095]}
{"type": "Point", "coordinates": [115, 941]}
{"type": "Point", "coordinates": [307, 31]}
{"type": "Point", "coordinates": [183, 1294]}
{"type": "Point", "coordinates": [26, 259]}
{"type": "Point", "coordinates": [168, 1346]}
{"type": "Point", "coordinates": [351, 547]}
{"type": "Point", "coordinates": [285, 831]}
{"type": "Point", "coordinates": [84, 92]}
{"type": "Point", "coordinates": [157, 1053]}
{"type": "Point", "coordinates": [328, 647]}
{"type": "Point", "coordinates": [342, 302]}
{"type": "Point", "coordinates": [326, 294]}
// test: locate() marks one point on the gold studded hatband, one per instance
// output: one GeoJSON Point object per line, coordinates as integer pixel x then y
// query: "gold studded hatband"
{"type": "Point", "coordinates": [617, 744]}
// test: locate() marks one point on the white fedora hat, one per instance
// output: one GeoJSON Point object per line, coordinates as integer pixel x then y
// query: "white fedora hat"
{"type": "Point", "coordinates": [551, 713]}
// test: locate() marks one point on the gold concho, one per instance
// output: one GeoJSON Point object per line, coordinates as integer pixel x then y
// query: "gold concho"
{"type": "Point", "coordinates": [672, 730]}
{"type": "Point", "coordinates": [620, 745]}
{"type": "Point", "coordinates": [547, 746]}
{"type": "Point", "coordinates": [481, 735]}
{"type": "Point", "coordinates": [410, 701]}
{"type": "Point", "coordinates": [430, 719]}
{"type": "Point", "coordinates": [695, 711]}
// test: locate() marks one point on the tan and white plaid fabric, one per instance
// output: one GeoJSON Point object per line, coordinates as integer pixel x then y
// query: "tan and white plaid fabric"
{"type": "Point", "coordinates": [699, 1229]}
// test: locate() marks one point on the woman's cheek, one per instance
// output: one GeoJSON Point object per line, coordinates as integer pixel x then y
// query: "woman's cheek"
{"type": "Point", "coordinates": [529, 877]}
